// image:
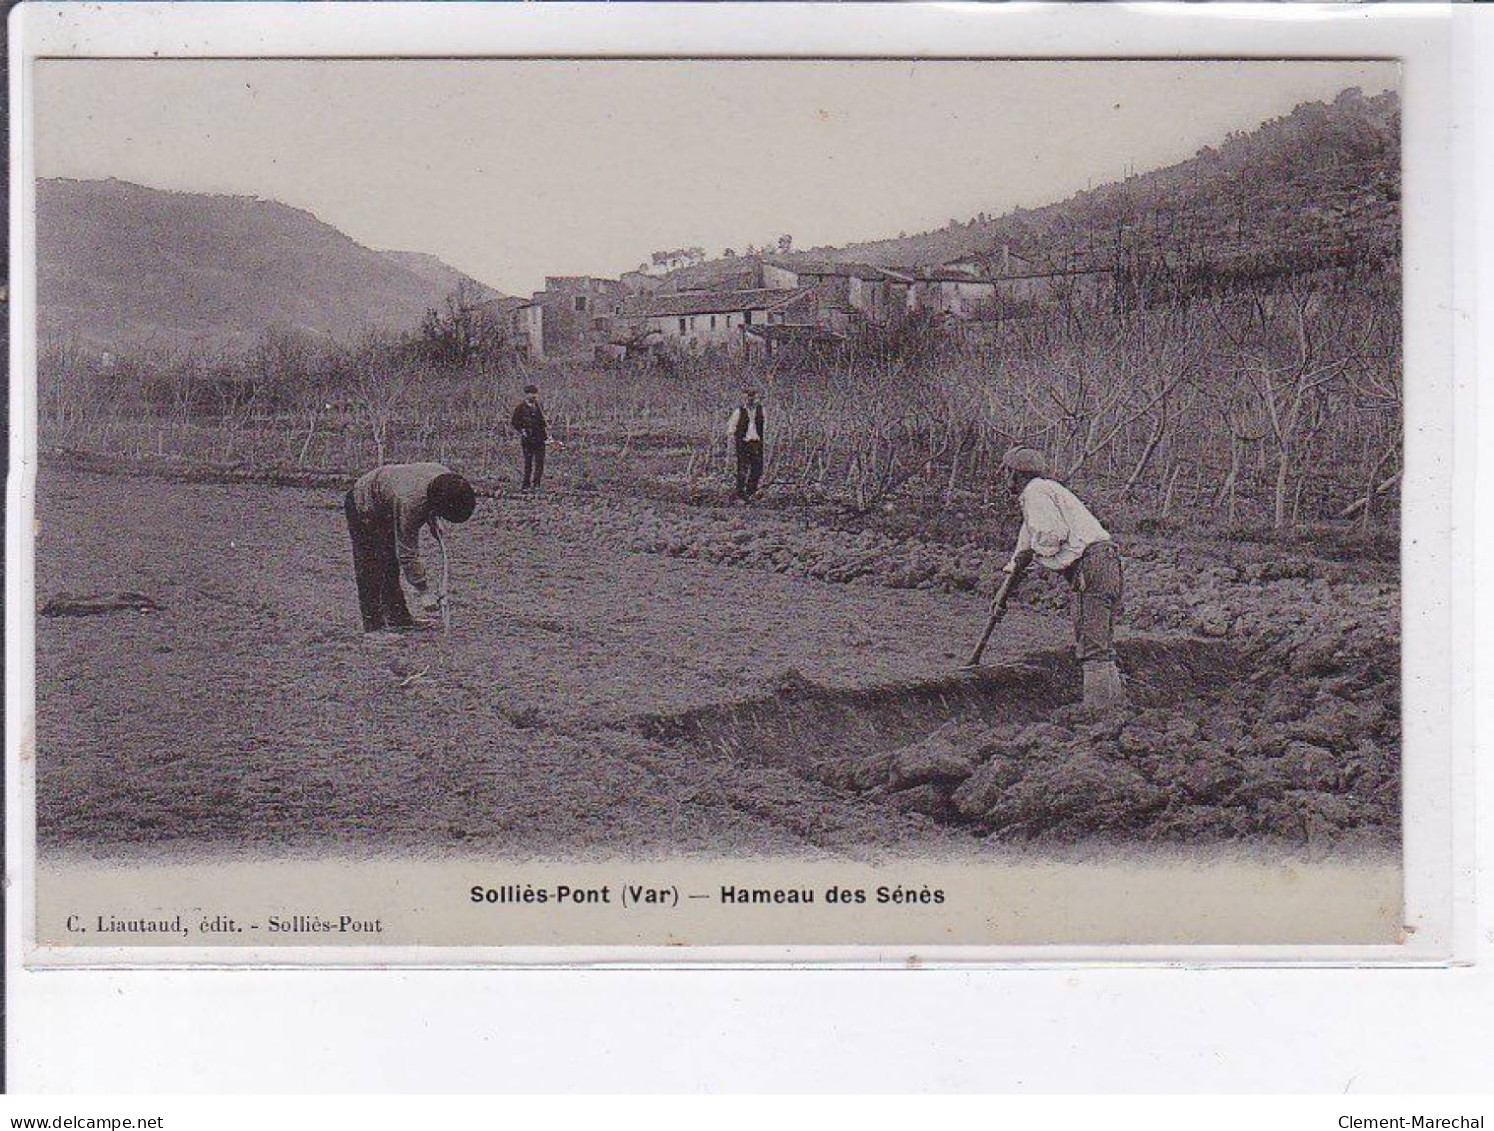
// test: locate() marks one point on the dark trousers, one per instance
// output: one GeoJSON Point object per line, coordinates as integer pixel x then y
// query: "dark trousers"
{"type": "Point", "coordinates": [534, 462]}
{"type": "Point", "coordinates": [749, 467]}
{"type": "Point", "coordinates": [380, 598]}
{"type": "Point", "coordinates": [1098, 587]}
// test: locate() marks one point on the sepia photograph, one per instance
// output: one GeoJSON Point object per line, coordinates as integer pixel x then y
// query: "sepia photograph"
{"type": "Point", "coordinates": [717, 502]}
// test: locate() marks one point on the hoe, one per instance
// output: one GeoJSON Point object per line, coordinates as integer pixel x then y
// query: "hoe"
{"type": "Point", "coordinates": [998, 610]}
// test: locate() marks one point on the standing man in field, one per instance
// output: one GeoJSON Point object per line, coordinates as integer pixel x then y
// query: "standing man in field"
{"type": "Point", "coordinates": [529, 422]}
{"type": "Point", "coordinates": [746, 429]}
{"type": "Point", "coordinates": [386, 509]}
{"type": "Point", "coordinates": [1062, 535]}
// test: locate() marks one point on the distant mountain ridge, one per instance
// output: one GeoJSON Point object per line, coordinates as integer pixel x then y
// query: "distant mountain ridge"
{"type": "Point", "coordinates": [120, 265]}
{"type": "Point", "coordinates": [437, 272]}
{"type": "Point", "coordinates": [1325, 175]}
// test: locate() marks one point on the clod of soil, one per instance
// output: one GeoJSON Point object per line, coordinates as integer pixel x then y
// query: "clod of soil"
{"type": "Point", "coordinates": [1201, 755]}
{"type": "Point", "coordinates": [74, 605]}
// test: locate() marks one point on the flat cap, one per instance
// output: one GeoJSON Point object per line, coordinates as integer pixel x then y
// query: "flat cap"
{"type": "Point", "coordinates": [1025, 459]}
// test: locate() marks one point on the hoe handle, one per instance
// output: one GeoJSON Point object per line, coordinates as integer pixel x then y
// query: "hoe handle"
{"type": "Point", "coordinates": [985, 638]}
{"type": "Point", "coordinates": [998, 610]}
{"type": "Point", "coordinates": [445, 596]}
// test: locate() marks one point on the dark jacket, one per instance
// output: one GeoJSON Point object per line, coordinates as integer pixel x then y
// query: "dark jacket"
{"type": "Point", "coordinates": [396, 497]}
{"type": "Point", "coordinates": [529, 421]}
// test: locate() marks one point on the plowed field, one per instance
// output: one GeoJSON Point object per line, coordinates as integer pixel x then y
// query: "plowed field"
{"type": "Point", "coordinates": [631, 679]}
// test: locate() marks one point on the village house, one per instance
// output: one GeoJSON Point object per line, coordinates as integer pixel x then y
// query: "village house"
{"type": "Point", "coordinates": [733, 273]}
{"type": "Point", "coordinates": [1039, 288]}
{"type": "Point", "coordinates": [850, 294]}
{"type": "Point", "coordinates": [663, 262]}
{"type": "Point", "coordinates": [953, 294]}
{"type": "Point", "coordinates": [640, 282]}
{"type": "Point", "coordinates": [527, 325]}
{"type": "Point", "coordinates": [1023, 281]}
{"type": "Point", "coordinates": [1000, 283]}
{"type": "Point", "coordinates": [993, 263]}
{"type": "Point", "coordinates": [579, 313]}
{"type": "Point", "coordinates": [731, 321]}
{"type": "Point", "coordinates": [750, 303]}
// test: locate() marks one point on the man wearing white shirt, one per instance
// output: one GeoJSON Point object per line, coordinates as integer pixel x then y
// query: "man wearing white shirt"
{"type": "Point", "coordinates": [1061, 534]}
{"type": "Point", "coordinates": [746, 429]}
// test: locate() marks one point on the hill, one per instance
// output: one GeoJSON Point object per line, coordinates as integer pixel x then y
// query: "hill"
{"type": "Point", "coordinates": [1296, 190]}
{"type": "Point", "coordinates": [121, 265]}
{"type": "Point", "coordinates": [440, 274]}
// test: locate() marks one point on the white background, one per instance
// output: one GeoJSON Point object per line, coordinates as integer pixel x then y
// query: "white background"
{"type": "Point", "coordinates": [678, 1029]}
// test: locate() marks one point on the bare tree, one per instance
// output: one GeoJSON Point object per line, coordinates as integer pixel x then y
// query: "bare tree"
{"type": "Point", "coordinates": [235, 394]}
{"type": "Point", "coordinates": [381, 378]}
{"type": "Point", "coordinates": [1289, 348]}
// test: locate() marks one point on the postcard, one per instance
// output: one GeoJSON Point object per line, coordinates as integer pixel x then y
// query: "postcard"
{"type": "Point", "coordinates": [605, 508]}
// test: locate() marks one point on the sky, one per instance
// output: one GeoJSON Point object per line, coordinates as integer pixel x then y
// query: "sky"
{"type": "Point", "coordinates": [511, 170]}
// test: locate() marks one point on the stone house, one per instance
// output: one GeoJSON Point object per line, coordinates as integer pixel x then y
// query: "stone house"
{"type": "Point", "coordinates": [527, 324]}
{"type": "Point", "coordinates": [849, 294]}
{"type": "Point", "coordinates": [579, 313]}
{"type": "Point", "coordinates": [957, 290]}
{"type": "Point", "coordinates": [993, 263]}
{"type": "Point", "coordinates": [697, 321]}
{"type": "Point", "coordinates": [954, 294]}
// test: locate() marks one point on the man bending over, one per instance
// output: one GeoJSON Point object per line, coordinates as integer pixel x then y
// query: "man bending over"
{"type": "Point", "coordinates": [386, 510]}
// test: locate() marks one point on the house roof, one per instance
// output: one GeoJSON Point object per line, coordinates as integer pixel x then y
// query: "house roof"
{"type": "Point", "coordinates": [839, 270]}
{"type": "Point", "coordinates": [709, 302]}
{"type": "Point", "coordinates": [1082, 269]}
{"type": "Point", "coordinates": [986, 255]}
{"type": "Point", "coordinates": [715, 275]}
{"type": "Point", "coordinates": [571, 283]}
{"type": "Point", "coordinates": [505, 304]}
{"type": "Point", "coordinates": [934, 275]}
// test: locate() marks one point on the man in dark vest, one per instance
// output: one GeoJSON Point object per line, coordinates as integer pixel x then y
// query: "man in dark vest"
{"type": "Point", "coordinates": [529, 422]}
{"type": "Point", "coordinates": [747, 430]}
{"type": "Point", "coordinates": [386, 510]}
